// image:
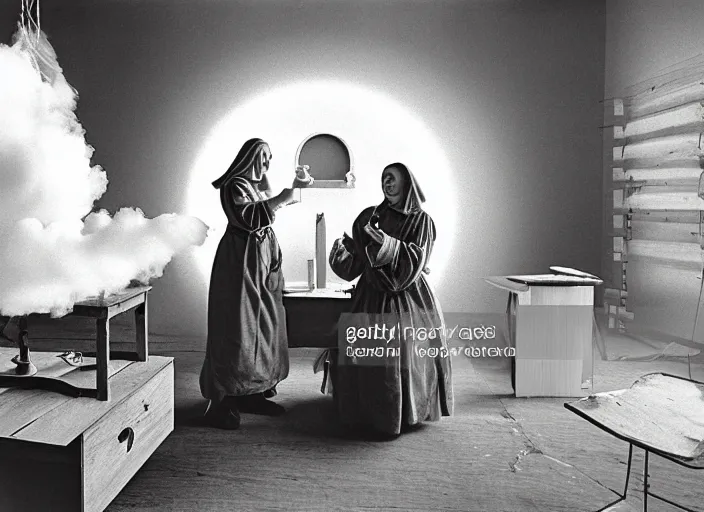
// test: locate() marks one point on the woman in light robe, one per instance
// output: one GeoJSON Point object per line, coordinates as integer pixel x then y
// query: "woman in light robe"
{"type": "Point", "coordinates": [389, 250]}
{"type": "Point", "coordinates": [247, 347]}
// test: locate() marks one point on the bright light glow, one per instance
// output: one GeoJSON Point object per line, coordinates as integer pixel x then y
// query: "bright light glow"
{"type": "Point", "coordinates": [378, 131]}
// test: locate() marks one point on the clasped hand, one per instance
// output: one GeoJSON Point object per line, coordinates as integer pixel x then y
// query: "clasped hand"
{"type": "Point", "coordinates": [376, 234]}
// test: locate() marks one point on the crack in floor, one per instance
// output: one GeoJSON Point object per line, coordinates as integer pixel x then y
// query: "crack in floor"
{"type": "Point", "coordinates": [530, 446]}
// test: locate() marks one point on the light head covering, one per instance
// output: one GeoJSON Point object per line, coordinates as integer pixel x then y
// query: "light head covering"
{"type": "Point", "coordinates": [245, 163]}
{"type": "Point", "coordinates": [413, 195]}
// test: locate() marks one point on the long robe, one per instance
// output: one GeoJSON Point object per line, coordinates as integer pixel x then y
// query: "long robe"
{"type": "Point", "coordinates": [410, 388]}
{"type": "Point", "coordinates": [247, 347]}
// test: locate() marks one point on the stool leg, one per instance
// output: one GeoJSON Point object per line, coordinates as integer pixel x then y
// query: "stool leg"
{"type": "Point", "coordinates": [645, 483]}
{"type": "Point", "coordinates": [625, 489]}
{"type": "Point", "coordinates": [628, 471]}
{"type": "Point", "coordinates": [142, 325]}
{"type": "Point", "coordinates": [103, 359]}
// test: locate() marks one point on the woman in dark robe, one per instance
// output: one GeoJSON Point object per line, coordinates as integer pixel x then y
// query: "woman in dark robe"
{"type": "Point", "coordinates": [389, 251]}
{"type": "Point", "coordinates": [247, 348]}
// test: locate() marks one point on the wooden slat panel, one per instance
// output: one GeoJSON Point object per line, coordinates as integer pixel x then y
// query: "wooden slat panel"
{"type": "Point", "coordinates": [665, 231]}
{"type": "Point", "coordinates": [665, 162]}
{"type": "Point", "coordinates": [664, 198]}
{"type": "Point", "coordinates": [662, 174]}
{"type": "Point", "coordinates": [658, 99]}
{"type": "Point", "coordinates": [676, 147]}
{"type": "Point", "coordinates": [671, 254]}
{"type": "Point", "coordinates": [666, 122]}
{"type": "Point", "coordinates": [668, 216]}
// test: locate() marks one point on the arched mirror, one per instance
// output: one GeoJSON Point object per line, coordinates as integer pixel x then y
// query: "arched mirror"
{"type": "Point", "coordinates": [329, 159]}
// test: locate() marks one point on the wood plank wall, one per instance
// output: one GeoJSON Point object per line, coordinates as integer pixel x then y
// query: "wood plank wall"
{"type": "Point", "coordinates": [653, 258]}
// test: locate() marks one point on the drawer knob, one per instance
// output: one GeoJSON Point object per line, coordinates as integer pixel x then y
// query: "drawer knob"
{"type": "Point", "coordinates": [127, 435]}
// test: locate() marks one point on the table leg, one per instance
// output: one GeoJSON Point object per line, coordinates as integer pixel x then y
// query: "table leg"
{"type": "Point", "coordinates": [510, 314]}
{"type": "Point", "coordinates": [142, 325]}
{"type": "Point", "coordinates": [103, 359]}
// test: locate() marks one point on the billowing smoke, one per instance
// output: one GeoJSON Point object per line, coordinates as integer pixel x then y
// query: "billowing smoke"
{"type": "Point", "coordinates": [53, 250]}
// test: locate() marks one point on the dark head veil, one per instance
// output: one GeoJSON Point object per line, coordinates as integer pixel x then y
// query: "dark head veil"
{"type": "Point", "coordinates": [243, 161]}
{"type": "Point", "coordinates": [413, 194]}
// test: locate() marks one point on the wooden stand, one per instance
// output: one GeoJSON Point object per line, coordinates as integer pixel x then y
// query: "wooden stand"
{"type": "Point", "coordinates": [320, 251]}
{"type": "Point", "coordinates": [76, 454]}
{"type": "Point", "coordinates": [550, 318]}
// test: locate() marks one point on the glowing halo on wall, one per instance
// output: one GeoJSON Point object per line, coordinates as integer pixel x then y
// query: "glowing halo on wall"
{"type": "Point", "coordinates": [377, 129]}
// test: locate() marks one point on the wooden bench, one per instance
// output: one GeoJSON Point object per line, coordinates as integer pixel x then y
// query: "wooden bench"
{"type": "Point", "coordinates": [661, 414]}
{"type": "Point", "coordinates": [60, 453]}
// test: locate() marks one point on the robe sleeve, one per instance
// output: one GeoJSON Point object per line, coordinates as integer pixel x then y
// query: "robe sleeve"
{"type": "Point", "coordinates": [242, 210]}
{"type": "Point", "coordinates": [398, 264]}
{"type": "Point", "coordinates": [344, 263]}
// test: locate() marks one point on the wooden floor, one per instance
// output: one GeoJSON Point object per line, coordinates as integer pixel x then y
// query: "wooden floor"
{"type": "Point", "coordinates": [498, 453]}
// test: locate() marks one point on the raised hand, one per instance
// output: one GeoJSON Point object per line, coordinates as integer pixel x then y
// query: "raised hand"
{"type": "Point", "coordinates": [302, 179]}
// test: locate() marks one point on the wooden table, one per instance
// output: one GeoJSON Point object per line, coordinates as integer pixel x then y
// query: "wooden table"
{"type": "Point", "coordinates": [102, 309]}
{"type": "Point", "coordinates": [312, 315]}
{"type": "Point", "coordinates": [660, 413]}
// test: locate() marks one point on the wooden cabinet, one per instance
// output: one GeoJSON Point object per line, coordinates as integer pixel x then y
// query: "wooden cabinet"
{"type": "Point", "coordinates": [551, 321]}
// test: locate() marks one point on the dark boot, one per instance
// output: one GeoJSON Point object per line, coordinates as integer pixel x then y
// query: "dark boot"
{"type": "Point", "coordinates": [257, 404]}
{"type": "Point", "coordinates": [223, 415]}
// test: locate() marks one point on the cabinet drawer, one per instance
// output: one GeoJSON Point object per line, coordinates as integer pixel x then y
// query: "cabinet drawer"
{"type": "Point", "coordinates": [117, 445]}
